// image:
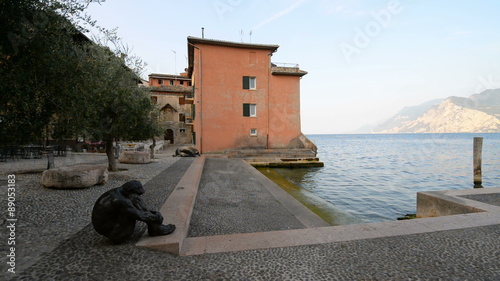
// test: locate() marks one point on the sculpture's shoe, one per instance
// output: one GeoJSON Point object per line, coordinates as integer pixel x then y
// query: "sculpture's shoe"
{"type": "Point", "coordinates": [162, 230]}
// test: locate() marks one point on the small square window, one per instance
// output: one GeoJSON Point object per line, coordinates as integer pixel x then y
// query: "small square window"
{"type": "Point", "coordinates": [160, 81]}
{"type": "Point", "coordinates": [182, 130]}
{"type": "Point", "coordinates": [182, 82]}
{"type": "Point", "coordinates": [171, 82]}
{"type": "Point", "coordinates": [253, 132]}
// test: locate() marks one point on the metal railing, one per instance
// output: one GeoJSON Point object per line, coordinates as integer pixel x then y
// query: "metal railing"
{"type": "Point", "coordinates": [285, 64]}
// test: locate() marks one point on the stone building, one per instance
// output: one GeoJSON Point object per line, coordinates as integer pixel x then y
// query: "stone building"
{"type": "Point", "coordinates": [173, 95]}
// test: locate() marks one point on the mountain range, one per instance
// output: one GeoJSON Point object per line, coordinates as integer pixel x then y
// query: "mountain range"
{"type": "Point", "coordinates": [479, 113]}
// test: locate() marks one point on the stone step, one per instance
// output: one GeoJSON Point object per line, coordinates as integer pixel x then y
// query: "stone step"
{"type": "Point", "coordinates": [270, 153]}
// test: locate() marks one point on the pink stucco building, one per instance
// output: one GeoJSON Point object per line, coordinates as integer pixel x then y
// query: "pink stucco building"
{"type": "Point", "coordinates": [241, 99]}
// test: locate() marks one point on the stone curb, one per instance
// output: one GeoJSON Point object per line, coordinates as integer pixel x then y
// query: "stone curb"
{"type": "Point", "coordinates": [177, 210]}
{"type": "Point", "coordinates": [332, 234]}
{"type": "Point", "coordinates": [453, 202]}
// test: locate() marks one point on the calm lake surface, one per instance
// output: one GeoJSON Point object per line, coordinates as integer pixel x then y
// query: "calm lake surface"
{"type": "Point", "coordinates": [375, 178]}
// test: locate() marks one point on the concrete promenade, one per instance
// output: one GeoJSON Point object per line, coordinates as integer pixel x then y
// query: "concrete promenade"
{"type": "Point", "coordinates": [241, 228]}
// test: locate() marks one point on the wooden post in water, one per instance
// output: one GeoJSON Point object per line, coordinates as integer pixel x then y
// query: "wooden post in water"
{"type": "Point", "coordinates": [478, 150]}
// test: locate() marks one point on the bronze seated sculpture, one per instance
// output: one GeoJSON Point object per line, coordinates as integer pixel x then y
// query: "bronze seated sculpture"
{"type": "Point", "coordinates": [116, 211]}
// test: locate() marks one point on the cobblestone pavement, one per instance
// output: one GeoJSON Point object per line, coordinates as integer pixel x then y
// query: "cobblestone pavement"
{"type": "Point", "coordinates": [467, 254]}
{"type": "Point", "coordinates": [48, 216]}
{"type": "Point", "coordinates": [65, 247]}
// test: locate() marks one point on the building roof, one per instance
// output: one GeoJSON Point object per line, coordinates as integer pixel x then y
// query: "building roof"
{"type": "Point", "coordinates": [172, 89]}
{"type": "Point", "coordinates": [196, 40]}
{"type": "Point", "coordinates": [167, 76]}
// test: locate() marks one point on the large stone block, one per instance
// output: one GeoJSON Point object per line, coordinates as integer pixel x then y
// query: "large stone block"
{"type": "Point", "coordinates": [78, 176]}
{"type": "Point", "coordinates": [134, 157]}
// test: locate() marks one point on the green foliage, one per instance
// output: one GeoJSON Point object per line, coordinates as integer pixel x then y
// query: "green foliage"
{"type": "Point", "coordinates": [32, 48]}
{"type": "Point", "coordinates": [115, 106]}
{"type": "Point", "coordinates": [54, 81]}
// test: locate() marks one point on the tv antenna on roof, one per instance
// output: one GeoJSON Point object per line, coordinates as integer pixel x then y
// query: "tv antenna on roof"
{"type": "Point", "coordinates": [241, 35]}
{"type": "Point", "coordinates": [250, 36]}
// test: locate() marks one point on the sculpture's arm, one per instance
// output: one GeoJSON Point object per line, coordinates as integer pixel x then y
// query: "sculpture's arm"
{"type": "Point", "coordinates": [138, 210]}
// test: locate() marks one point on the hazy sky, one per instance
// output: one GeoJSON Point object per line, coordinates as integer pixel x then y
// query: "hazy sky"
{"type": "Point", "coordinates": [366, 59]}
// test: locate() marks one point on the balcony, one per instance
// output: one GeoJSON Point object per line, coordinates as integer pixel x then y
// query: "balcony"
{"type": "Point", "coordinates": [285, 65]}
{"type": "Point", "coordinates": [282, 68]}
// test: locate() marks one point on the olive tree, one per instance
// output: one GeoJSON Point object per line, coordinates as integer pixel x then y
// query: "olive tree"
{"type": "Point", "coordinates": [56, 82]}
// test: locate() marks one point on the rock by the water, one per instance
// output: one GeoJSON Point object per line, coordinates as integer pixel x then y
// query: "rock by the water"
{"type": "Point", "coordinates": [77, 176]}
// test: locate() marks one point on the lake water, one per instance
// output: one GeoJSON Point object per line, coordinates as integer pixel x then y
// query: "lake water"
{"type": "Point", "coordinates": [375, 178]}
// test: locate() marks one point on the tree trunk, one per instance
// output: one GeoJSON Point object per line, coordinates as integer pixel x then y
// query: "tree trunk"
{"type": "Point", "coordinates": [111, 155]}
{"type": "Point", "coordinates": [152, 147]}
{"type": "Point", "coordinates": [50, 159]}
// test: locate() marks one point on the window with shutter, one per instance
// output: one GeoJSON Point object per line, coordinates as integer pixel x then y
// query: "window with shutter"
{"type": "Point", "coordinates": [246, 82]}
{"type": "Point", "coordinates": [249, 110]}
{"type": "Point", "coordinates": [252, 83]}
{"type": "Point", "coordinates": [253, 110]}
{"type": "Point", "coordinates": [249, 83]}
{"type": "Point", "coordinates": [246, 110]}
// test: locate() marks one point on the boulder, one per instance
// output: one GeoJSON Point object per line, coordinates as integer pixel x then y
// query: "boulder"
{"type": "Point", "coordinates": [134, 157]}
{"type": "Point", "coordinates": [77, 176]}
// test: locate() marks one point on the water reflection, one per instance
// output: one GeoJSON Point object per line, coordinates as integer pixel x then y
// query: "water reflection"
{"type": "Point", "coordinates": [289, 180]}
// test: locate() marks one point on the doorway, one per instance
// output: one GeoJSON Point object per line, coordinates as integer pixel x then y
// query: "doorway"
{"type": "Point", "coordinates": [169, 135]}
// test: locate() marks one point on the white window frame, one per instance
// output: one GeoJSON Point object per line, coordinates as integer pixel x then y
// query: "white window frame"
{"type": "Point", "coordinates": [252, 83]}
{"type": "Point", "coordinates": [253, 132]}
{"type": "Point", "coordinates": [253, 110]}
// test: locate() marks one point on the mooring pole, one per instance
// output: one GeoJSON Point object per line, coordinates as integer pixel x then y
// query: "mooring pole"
{"type": "Point", "coordinates": [478, 150]}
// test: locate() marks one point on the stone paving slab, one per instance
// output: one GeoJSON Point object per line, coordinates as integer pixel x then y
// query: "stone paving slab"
{"type": "Point", "coordinates": [234, 197]}
{"type": "Point", "coordinates": [177, 210]}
